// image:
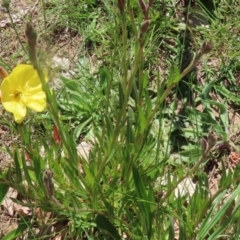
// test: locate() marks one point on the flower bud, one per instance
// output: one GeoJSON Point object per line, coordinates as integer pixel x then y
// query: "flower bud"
{"type": "Point", "coordinates": [121, 5]}
{"type": "Point", "coordinates": [150, 3]}
{"type": "Point", "coordinates": [56, 135]}
{"type": "Point", "coordinates": [206, 47]}
{"type": "Point", "coordinates": [145, 26]}
{"type": "Point", "coordinates": [3, 73]}
{"type": "Point", "coordinates": [31, 35]}
{"type": "Point", "coordinates": [212, 139]}
{"type": "Point", "coordinates": [204, 145]}
{"type": "Point", "coordinates": [48, 182]}
{"type": "Point", "coordinates": [143, 6]}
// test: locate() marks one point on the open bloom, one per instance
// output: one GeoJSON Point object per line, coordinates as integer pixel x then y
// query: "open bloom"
{"type": "Point", "coordinates": [22, 88]}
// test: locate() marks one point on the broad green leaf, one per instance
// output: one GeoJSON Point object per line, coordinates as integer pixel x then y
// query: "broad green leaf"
{"type": "Point", "coordinates": [79, 128]}
{"type": "Point", "coordinates": [72, 85]}
{"type": "Point", "coordinates": [103, 223]}
{"type": "Point", "coordinates": [193, 154]}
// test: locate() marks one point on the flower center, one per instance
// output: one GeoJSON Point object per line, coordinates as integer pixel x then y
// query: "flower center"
{"type": "Point", "coordinates": [17, 94]}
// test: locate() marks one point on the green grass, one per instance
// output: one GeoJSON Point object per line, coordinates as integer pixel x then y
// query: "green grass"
{"type": "Point", "coordinates": [132, 101]}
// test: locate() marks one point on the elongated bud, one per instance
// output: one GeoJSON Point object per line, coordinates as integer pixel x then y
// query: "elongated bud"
{"type": "Point", "coordinates": [145, 26]}
{"type": "Point", "coordinates": [56, 135]}
{"type": "Point", "coordinates": [204, 145]}
{"type": "Point", "coordinates": [143, 6]}
{"type": "Point", "coordinates": [212, 139]}
{"type": "Point", "coordinates": [150, 3]}
{"type": "Point", "coordinates": [206, 47]}
{"type": "Point", "coordinates": [3, 73]}
{"type": "Point", "coordinates": [48, 182]}
{"type": "Point", "coordinates": [121, 5]}
{"type": "Point", "coordinates": [31, 35]}
{"type": "Point", "coordinates": [32, 42]}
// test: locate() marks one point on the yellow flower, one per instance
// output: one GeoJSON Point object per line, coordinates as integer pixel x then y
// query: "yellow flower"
{"type": "Point", "coordinates": [22, 88]}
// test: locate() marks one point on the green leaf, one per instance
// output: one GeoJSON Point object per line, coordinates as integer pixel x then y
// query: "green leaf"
{"type": "Point", "coordinates": [175, 76]}
{"type": "Point", "coordinates": [105, 77]}
{"type": "Point", "coordinates": [130, 129]}
{"type": "Point", "coordinates": [79, 128]}
{"type": "Point", "coordinates": [223, 112]}
{"type": "Point", "coordinates": [213, 217]}
{"type": "Point", "coordinates": [72, 85]}
{"type": "Point", "coordinates": [206, 90]}
{"type": "Point", "coordinates": [26, 171]}
{"type": "Point", "coordinates": [144, 203]}
{"type": "Point", "coordinates": [22, 226]}
{"type": "Point", "coordinates": [192, 153]}
{"type": "Point", "coordinates": [17, 165]}
{"type": "Point", "coordinates": [227, 94]}
{"type": "Point", "coordinates": [103, 223]}
{"type": "Point", "coordinates": [121, 95]}
{"type": "Point", "coordinates": [223, 225]}
{"type": "Point", "coordinates": [142, 120]}
{"type": "Point", "coordinates": [3, 191]}
{"type": "Point", "coordinates": [171, 229]}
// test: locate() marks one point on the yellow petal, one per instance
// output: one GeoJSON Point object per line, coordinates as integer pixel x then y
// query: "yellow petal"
{"type": "Point", "coordinates": [37, 102]}
{"type": "Point", "coordinates": [19, 110]}
{"type": "Point", "coordinates": [25, 75]}
{"type": "Point", "coordinates": [7, 89]}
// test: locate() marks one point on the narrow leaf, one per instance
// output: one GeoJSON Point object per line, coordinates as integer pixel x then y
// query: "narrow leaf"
{"type": "Point", "coordinates": [22, 226]}
{"type": "Point", "coordinates": [3, 191]}
{"type": "Point", "coordinates": [103, 223]}
{"type": "Point", "coordinates": [142, 120]}
{"type": "Point", "coordinates": [144, 204]}
{"type": "Point", "coordinates": [227, 94]}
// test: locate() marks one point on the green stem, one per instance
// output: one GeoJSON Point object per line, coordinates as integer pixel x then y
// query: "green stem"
{"type": "Point", "coordinates": [124, 53]}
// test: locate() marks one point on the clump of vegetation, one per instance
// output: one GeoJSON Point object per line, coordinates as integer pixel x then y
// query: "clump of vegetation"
{"type": "Point", "coordinates": [138, 142]}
